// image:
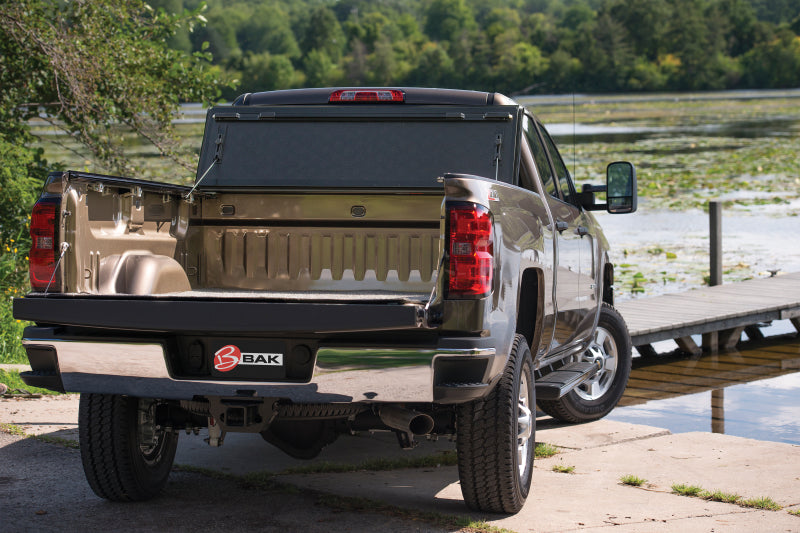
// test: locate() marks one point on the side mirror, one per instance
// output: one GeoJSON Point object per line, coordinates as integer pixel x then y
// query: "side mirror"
{"type": "Point", "coordinates": [621, 187]}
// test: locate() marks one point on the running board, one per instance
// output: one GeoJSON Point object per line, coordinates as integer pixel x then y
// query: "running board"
{"type": "Point", "coordinates": [558, 383]}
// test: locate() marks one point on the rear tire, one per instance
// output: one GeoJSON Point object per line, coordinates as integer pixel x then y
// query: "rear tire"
{"type": "Point", "coordinates": [125, 458]}
{"type": "Point", "coordinates": [597, 397]}
{"type": "Point", "coordinates": [495, 439]}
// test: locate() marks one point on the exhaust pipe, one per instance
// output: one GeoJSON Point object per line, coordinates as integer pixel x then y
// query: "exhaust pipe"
{"type": "Point", "coordinates": [406, 420]}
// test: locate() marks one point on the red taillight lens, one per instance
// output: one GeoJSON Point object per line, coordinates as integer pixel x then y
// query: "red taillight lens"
{"type": "Point", "coordinates": [44, 244]}
{"type": "Point", "coordinates": [471, 248]}
{"type": "Point", "coordinates": [370, 95]}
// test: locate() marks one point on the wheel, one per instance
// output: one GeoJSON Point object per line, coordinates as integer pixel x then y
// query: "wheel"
{"type": "Point", "coordinates": [594, 399]}
{"type": "Point", "coordinates": [126, 457]}
{"type": "Point", "coordinates": [495, 439]}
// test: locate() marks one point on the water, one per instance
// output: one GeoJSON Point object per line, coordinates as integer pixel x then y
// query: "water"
{"type": "Point", "coordinates": [755, 244]}
{"type": "Point", "coordinates": [753, 392]}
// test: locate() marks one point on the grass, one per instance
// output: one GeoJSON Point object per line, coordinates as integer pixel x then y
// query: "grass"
{"type": "Point", "coordinates": [11, 350]}
{"type": "Point", "coordinates": [12, 379]}
{"type": "Point", "coordinates": [633, 481]}
{"type": "Point", "coordinates": [19, 431]}
{"type": "Point", "coordinates": [795, 512]}
{"type": "Point", "coordinates": [719, 496]}
{"type": "Point", "coordinates": [561, 469]}
{"type": "Point", "coordinates": [686, 490]}
{"type": "Point", "coordinates": [12, 429]}
{"type": "Point", "coordinates": [764, 502]}
{"type": "Point", "coordinates": [544, 450]}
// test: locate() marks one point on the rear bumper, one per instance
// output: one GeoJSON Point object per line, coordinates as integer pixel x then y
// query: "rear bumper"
{"type": "Point", "coordinates": [455, 370]}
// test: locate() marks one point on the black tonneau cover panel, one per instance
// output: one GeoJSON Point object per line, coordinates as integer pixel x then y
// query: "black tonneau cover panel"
{"type": "Point", "coordinates": [355, 146]}
{"type": "Point", "coordinates": [214, 316]}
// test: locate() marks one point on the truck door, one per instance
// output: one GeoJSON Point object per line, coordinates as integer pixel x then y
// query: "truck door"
{"type": "Point", "coordinates": [568, 240]}
{"type": "Point", "coordinates": [578, 241]}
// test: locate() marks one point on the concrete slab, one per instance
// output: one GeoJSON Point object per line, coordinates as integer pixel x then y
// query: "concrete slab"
{"type": "Point", "coordinates": [596, 434]}
{"type": "Point", "coordinates": [747, 467]}
{"type": "Point", "coordinates": [18, 368]}
{"type": "Point", "coordinates": [51, 415]}
{"type": "Point", "coordinates": [42, 489]}
{"type": "Point", "coordinates": [589, 499]}
{"type": "Point", "coordinates": [246, 453]}
{"type": "Point", "coordinates": [559, 502]}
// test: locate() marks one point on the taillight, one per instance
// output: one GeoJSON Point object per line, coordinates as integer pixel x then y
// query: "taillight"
{"type": "Point", "coordinates": [44, 244]}
{"type": "Point", "coordinates": [366, 95]}
{"type": "Point", "coordinates": [471, 248]}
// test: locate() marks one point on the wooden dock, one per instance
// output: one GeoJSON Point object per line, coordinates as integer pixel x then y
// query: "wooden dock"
{"type": "Point", "coordinates": [720, 314]}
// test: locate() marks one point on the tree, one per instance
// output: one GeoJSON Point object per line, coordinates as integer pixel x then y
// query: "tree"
{"type": "Point", "coordinates": [320, 70]}
{"type": "Point", "coordinates": [267, 72]}
{"type": "Point", "coordinates": [435, 67]}
{"type": "Point", "coordinates": [520, 67]}
{"type": "Point", "coordinates": [91, 66]}
{"type": "Point", "coordinates": [324, 34]}
{"type": "Point", "coordinates": [775, 63]}
{"type": "Point", "coordinates": [446, 19]}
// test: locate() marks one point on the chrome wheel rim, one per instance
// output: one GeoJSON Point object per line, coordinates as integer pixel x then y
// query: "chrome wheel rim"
{"type": "Point", "coordinates": [602, 351]}
{"type": "Point", "coordinates": [524, 425]}
{"type": "Point", "coordinates": [150, 436]}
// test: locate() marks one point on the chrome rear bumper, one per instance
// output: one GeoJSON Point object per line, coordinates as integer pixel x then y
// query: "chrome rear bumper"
{"type": "Point", "coordinates": [341, 374]}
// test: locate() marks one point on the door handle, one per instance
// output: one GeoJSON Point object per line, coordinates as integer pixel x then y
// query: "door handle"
{"type": "Point", "coordinates": [561, 225]}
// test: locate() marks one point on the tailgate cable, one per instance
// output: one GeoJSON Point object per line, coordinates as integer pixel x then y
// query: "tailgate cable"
{"type": "Point", "coordinates": [64, 248]}
{"type": "Point", "coordinates": [213, 162]}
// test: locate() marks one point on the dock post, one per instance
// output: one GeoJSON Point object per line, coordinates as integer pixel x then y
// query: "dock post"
{"type": "Point", "coordinates": [715, 241]}
{"type": "Point", "coordinates": [711, 339]}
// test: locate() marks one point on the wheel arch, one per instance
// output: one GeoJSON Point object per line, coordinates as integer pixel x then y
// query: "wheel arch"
{"type": "Point", "coordinates": [608, 283]}
{"type": "Point", "coordinates": [530, 307]}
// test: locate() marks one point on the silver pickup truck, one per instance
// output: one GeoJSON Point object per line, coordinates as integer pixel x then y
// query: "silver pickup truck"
{"type": "Point", "coordinates": [409, 260]}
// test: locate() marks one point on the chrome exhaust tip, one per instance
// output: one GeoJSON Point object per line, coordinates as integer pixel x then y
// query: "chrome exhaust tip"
{"type": "Point", "coordinates": [406, 420]}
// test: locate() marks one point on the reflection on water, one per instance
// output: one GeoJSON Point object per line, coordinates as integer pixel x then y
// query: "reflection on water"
{"type": "Point", "coordinates": [752, 393]}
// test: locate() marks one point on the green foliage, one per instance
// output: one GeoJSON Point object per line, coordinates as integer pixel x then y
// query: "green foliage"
{"type": "Point", "coordinates": [536, 46]}
{"type": "Point", "coordinates": [88, 67]}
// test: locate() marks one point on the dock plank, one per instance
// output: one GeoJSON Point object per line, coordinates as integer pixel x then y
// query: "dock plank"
{"type": "Point", "coordinates": [709, 309]}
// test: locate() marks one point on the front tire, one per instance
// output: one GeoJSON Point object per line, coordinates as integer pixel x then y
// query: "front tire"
{"type": "Point", "coordinates": [495, 439]}
{"type": "Point", "coordinates": [125, 456]}
{"type": "Point", "coordinates": [594, 399]}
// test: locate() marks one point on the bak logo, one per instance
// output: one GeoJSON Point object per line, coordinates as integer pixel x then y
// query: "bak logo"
{"type": "Point", "coordinates": [229, 357]}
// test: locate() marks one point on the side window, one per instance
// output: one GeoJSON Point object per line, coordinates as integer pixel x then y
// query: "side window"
{"type": "Point", "coordinates": [539, 157]}
{"type": "Point", "coordinates": [564, 180]}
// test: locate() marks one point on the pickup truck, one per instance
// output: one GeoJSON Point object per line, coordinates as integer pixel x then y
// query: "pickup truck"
{"type": "Point", "coordinates": [408, 260]}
